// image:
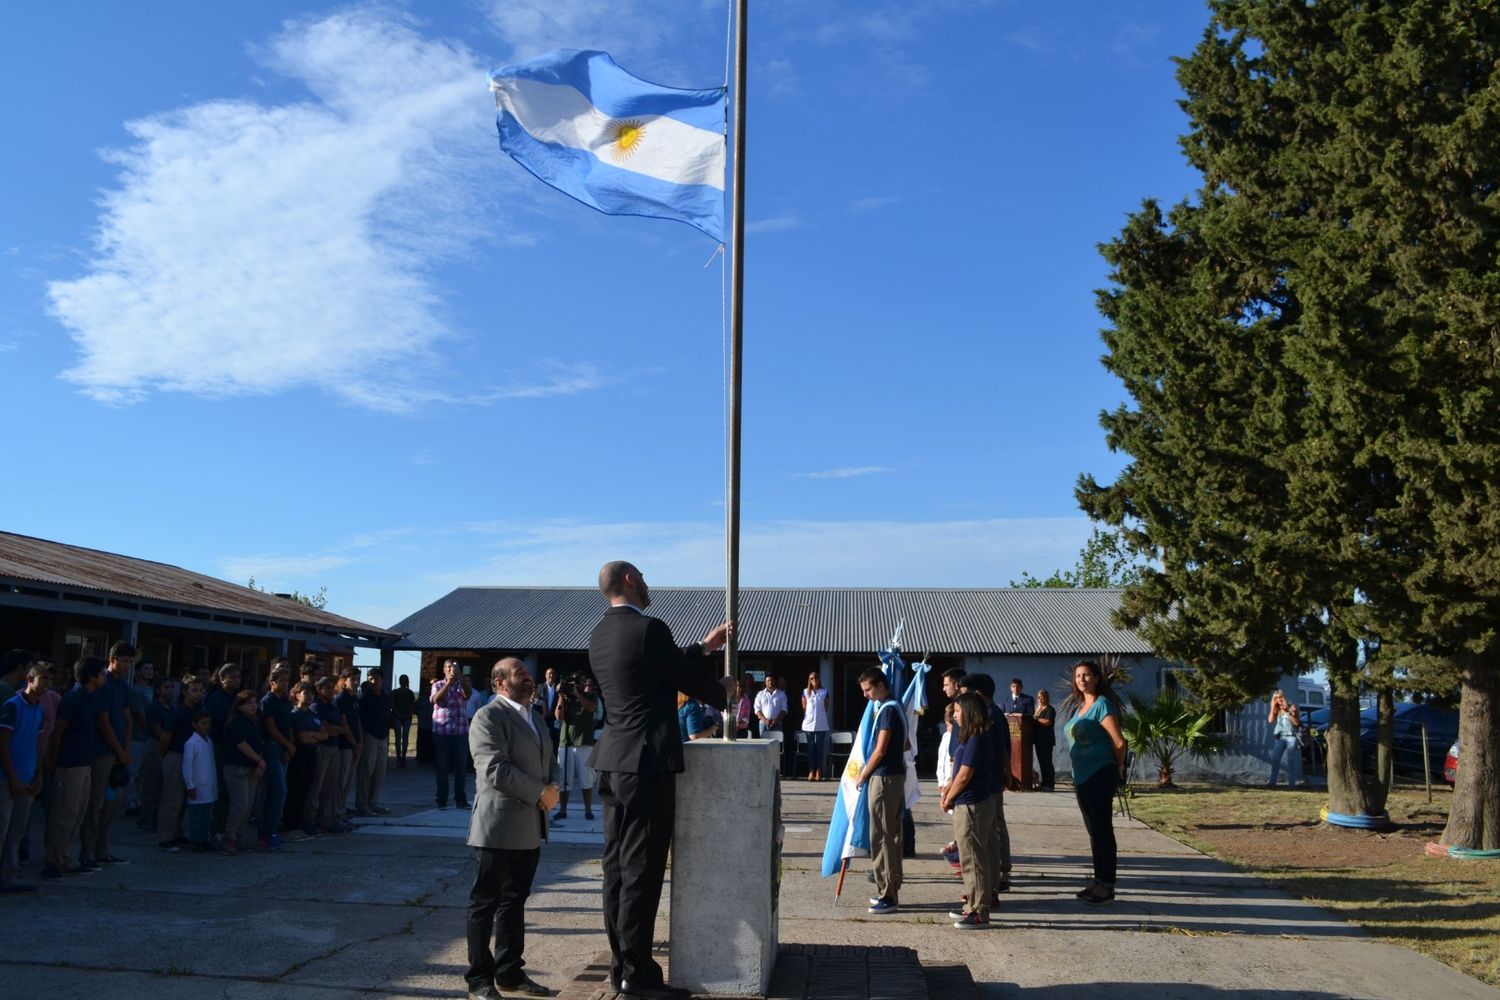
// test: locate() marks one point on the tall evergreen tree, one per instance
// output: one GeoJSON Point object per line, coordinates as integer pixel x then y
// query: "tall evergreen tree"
{"type": "Point", "coordinates": [1313, 350]}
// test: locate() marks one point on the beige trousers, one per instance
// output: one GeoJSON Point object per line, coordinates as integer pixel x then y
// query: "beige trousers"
{"type": "Point", "coordinates": [70, 800]}
{"type": "Point", "coordinates": [887, 797]}
{"type": "Point", "coordinates": [974, 832]}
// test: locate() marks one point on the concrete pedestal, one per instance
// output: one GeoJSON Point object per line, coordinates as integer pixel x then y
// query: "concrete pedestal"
{"type": "Point", "coordinates": [726, 868]}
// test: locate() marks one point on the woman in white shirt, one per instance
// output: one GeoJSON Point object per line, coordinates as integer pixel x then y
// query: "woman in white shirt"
{"type": "Point", "coordinates": [815, 725]}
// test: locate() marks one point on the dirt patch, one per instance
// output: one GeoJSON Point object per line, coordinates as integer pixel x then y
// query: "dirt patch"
{"type": "Point", "coordinates": [1445, 908]}
{"type": "Point", "coordinates": [1312, 844]}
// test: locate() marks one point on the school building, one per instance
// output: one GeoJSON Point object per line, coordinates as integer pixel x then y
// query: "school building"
{"type": "Point", "coordinates": [65, 601]}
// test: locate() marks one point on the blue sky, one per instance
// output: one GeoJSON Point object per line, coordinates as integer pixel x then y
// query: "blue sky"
{"type": "Point", "coordinates": [275, 304]}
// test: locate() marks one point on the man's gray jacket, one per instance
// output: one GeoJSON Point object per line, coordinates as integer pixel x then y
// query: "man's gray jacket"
{"type": "Point", "coordinates": [511, 767]}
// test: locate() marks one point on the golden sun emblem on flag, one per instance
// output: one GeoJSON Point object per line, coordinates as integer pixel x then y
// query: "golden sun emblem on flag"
{"type": "Point", "coordinates": [625, 137]}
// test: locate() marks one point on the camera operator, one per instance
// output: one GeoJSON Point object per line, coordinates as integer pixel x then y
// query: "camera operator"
{"type": "Point", "coordinates": [577, 702]}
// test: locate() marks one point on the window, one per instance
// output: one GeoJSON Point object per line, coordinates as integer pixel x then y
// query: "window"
{"type": "Point", "coordinates": [247, 658]}
{"type": "Point", "coordinates": [81, 643]}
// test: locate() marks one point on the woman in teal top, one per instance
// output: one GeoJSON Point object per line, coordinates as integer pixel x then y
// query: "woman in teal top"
{"type": "Point", "coordinates": [1097, 750]}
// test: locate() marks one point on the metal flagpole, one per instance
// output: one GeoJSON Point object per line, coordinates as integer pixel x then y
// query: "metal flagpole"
{"type": "Point", "coordinates": [736, 349]}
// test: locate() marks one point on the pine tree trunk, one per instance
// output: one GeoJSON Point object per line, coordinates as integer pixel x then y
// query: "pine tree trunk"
{"type": "Point", "coordinates": [1474, 820]}
{"type": "Point", "coordinates": [1348, 792]}
{"type": "Point", "coordinates": [1385, 764]}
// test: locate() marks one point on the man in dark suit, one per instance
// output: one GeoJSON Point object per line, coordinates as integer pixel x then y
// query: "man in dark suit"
{"type": "Point", "coordinates": [1016, 702]}
{"type": "Point", "coordinates": [515, 784]}
{"type": "Point", "coordinates": [640, 670]}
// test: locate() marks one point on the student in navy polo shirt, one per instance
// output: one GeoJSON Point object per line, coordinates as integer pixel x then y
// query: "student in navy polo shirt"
{"type": "Point", "coordinates": [242, 769]}
{"type": "Point", "coordinates": [73, 751]}
{"type": "Point", "coordinates": [21, 771]}
{"type": "Point", "coordinates": [157, 721]}
{"type": "Point", "coordinates": [984, 685]}
{"type": "Point", "coordinates": [327, 807]}
{"type": "Point", "coordinates": [309, 766]}
{"type": "Point", "coordinates": [352, 739]}
{"type": "Point", "coordinates": [969, 796]}
{"type": "Point", "coordinates": [885, 771]}
{"type": "Point", "coordinates": [179, 730]}
{"type": "Point", "coordinates": [111, 708]}
{"type": "Point", "coordinates": [276, 720]}
{"type": "Point", "coordinates": [219, 703]}
{"type": "Point", "coordinates": [375, 725]}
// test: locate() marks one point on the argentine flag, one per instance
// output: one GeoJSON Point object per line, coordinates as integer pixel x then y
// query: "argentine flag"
{"type": "Point", "coordinates": [849, 825]}
{"type": "Point", "coordinates": [621, 145]}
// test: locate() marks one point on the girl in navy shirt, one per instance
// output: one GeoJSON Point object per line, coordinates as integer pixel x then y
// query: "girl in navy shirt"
{"type": "Point", "coordinates": [970, 795]}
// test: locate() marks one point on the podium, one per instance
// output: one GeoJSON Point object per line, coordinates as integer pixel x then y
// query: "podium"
{"type": "Point", "coordinates": [1022, 738]}
{"type": "Point", "coordinates": [726, 868]}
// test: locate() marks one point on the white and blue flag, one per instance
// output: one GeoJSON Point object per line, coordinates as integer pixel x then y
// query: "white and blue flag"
{"type": "Point", "coordinates": [618, 144]}
{"type": "Point", "coordinates": [849, 824]}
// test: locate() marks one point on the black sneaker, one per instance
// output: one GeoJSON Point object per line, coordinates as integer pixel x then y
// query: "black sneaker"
{"type": "Point", "coordinates": [52, 873]}
{"type": "Point", "coordinates": [527, 987]}
{"type": "Point", "coordinates": [114, 859]}
{"type": "Point", "coordinates": [168, 847]}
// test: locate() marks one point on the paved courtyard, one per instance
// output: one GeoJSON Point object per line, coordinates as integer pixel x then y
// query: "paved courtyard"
{"type": "Point", "coordinates": [381, 911]}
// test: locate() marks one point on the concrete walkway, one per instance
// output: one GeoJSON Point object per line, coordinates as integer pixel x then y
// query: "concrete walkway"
{"type": "Point", "coordinates": [381, 912]}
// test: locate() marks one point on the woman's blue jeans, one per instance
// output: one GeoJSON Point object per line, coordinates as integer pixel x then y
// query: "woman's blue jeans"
{"type": "Point", "coordinates": [275, 800]}
{"type": "Point", "coordinates": [1286, 745]}
{"type": "Point", "coordinates": [817, 751]}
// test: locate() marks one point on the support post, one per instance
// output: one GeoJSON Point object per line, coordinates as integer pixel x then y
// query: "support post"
{"type": "Point", "coordinates": [736, 351]}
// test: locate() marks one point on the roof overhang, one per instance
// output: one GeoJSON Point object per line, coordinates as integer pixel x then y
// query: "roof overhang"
{"type": "Point", "coordinates": [61, 599]}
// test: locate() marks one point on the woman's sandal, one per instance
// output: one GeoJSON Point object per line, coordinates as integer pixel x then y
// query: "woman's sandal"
{"type": "Point", "coordinates": [1098, 895]}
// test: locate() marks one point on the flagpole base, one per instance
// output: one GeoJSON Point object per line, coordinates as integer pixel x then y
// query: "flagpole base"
{"type": "Point", "coordinates": [719, 949]}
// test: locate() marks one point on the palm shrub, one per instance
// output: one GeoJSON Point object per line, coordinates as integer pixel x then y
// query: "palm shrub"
{"type": "Point", "coordinates": [1165, 729]}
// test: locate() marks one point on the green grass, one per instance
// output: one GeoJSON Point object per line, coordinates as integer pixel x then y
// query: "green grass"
{"type": "Point", "coordinates": [1444, 908]}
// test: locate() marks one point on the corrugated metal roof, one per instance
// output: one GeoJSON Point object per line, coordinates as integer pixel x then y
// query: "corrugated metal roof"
{"type": "Point", "coordinates": [789, 620]}
{"type": "Point", "coordinates": [26, 560]}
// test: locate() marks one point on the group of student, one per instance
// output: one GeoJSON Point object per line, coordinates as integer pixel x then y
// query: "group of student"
{"type": "Point", "coordinates": [973, 771]}
{"type": "Point", "coordinates": [233, 768]}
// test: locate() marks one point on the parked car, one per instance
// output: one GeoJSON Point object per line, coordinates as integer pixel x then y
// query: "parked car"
{"type": "Point", "coordinates": [1450, 765]}
{"type": "Point", "coordinates": [1406, 736]}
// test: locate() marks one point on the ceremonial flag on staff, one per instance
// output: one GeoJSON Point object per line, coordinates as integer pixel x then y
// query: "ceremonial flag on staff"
{"type": "Point", "coordinates": [849, 825]}
{"type": "Point", "coordinates": [618, 144]}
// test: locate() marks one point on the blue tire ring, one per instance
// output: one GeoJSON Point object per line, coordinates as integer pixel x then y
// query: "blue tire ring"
{"type": "Point", "coordinates": [1379, 822]}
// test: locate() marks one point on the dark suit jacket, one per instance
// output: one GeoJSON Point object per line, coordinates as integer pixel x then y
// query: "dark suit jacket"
{"type": "Point", "coordinates": [1023, 704]}
{"type": "Point", "coordinates": [640, 670]}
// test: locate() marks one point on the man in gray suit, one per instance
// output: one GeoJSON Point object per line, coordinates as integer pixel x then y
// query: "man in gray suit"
{"type": "Point", "coordinates": [515, 770]}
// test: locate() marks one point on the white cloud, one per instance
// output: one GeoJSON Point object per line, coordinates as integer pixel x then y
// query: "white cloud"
{"type": "Point", "coordinates": [871, 204]}
{"type": "Point", "coordinates": [973, 553]}
{"type": "Point", "coordinates": [280, 572]}
{"type": "Point", "coordinates": [383, 576]}
{"type": "Point", "coordinates": [251, 248]}
{"type": "Point", "coordinates": [777, 224]}
{"type": "Point", "coordinates": [559, 380]}
{"type": "Point", "coordinates": [534, 27]}
{"type": "Point", "coordinates": [847, 472]}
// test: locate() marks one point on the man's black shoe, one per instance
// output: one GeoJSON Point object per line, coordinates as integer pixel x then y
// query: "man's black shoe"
{"type": "Point", "coordinates": [484, 991]}
{"type": "Point", "coordinates": [527, 987]}
{"type": "Point", "coordinates": [628, 991]}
